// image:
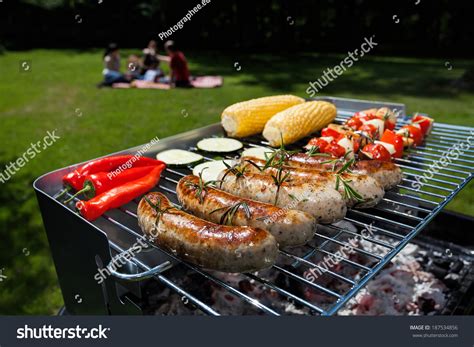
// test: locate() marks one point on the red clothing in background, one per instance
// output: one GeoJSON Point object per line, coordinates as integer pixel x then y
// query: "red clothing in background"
{"type": "Point", "coordinates": [179, 66]}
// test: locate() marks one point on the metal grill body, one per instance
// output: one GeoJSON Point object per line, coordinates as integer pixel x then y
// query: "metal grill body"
{"type": "Point", "coordinates": [79, 247]}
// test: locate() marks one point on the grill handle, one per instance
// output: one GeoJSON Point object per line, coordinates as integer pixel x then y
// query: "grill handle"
{"type": "Point", "coordinates": [138, 276]}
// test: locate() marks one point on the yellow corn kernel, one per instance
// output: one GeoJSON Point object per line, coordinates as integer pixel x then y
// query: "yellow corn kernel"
{"type": "Point", "coordinates": [298, 121]}
{"type": "Point", "coordinates": [249, 117]}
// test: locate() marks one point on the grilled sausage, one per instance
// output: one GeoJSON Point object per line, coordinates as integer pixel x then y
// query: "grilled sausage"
{"type": "Point", "coordinates": [319, 200]}
{"type": "Point", "coordinates": [289, 227]}
{"type": "Point", "coordinates": [209, 245]}
{"type": "Point", "coordinates": [387, 174]}
{"type": "Point", "coordinates": [367, 187]}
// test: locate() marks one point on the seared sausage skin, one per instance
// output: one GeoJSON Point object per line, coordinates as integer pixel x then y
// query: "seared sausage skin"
{"type": "Point", "coordinates": [386, 173]}
{"type": "Point", "coordinates": [209, 245]}
{"type": "Point", "coordinates": [322, 202]}
{"type": "Point", "coordinates": [369, 189]}
{"type": "Point", "coordinates": [289, 227]}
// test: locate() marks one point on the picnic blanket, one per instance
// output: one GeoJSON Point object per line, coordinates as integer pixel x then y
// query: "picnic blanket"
{"type": "Point", "coordinates": [196, 82]}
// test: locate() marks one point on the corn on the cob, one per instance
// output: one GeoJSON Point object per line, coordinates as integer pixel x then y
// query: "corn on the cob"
{"type": "Point", "coordinates": [249, 117]}
{"type": "Point", "coordinates": [298, 121]}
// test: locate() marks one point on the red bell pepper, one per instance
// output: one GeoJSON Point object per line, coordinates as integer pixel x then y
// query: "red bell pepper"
{"type": "Point", "coordinates": [335, 149]}
{"type": "Point", "coordinates": [319, 143]}
{"type": "Point", "coordinates": [119, 196]}
{"type": "Point", "coordinates": [389, 124]}
{"type": "Point", "coordinates": [424, 122]}
{"type": "Point", "coordinates": [394, 139]}
{"type": "Point", "coordinates": [354, 123]}
{"type": "Point", "coordinates": [328, 132]}
{"type": "Point", "coordinates": [376, 151]}
{"type": "Point", "coordinates": [324, 146]}
{"type": "Point", "coordinates": [76, 178]}
{"type": "Point", "coordinates": [370, 130]}
{"type": "Point", "coordinates": [415, 134]}
{"type": "Point", "coordinates": [98, 183]}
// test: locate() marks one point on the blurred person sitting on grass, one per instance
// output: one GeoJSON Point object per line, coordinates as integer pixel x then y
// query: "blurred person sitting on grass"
{"type": "Point", "coordinates": [134, 67]}
{"type": "Point", "coordinates": [151, 71]}
{"type": "Point", "coordinates": [178, 66]}
{"type": "Point", "coordinates": [111, 70]}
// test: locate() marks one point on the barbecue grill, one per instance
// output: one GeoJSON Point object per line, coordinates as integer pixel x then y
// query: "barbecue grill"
{"type": "Point", "coordinates": [79, 248]}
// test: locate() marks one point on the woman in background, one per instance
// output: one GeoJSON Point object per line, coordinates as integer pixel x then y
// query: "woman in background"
{"type": "Point", "coordinates": [111, 70]}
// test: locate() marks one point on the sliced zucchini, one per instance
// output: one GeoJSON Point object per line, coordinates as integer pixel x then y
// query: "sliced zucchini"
{"type": "Point", "coordinates": [210, 170]}
{"type": "Point", "coordinates": [257, 152]}
{"type": "Point", "coordinates": [219, 144]}
{"type": "Point", "coordinates": [178, 157]}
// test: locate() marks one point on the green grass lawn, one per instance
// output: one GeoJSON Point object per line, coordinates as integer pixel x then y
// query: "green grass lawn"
{"type": "Point", "coordinates": [58, 92]}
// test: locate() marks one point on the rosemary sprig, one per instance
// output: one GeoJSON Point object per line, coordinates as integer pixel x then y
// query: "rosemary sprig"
{"type": "Point", "coordinates": [346, 166]}
{"type": "Point", "coordinates": [386, 116]}
{"type": "Point", "coordinates": [406, 134]}
{"type": "Point", "coordinates": [229, 215]}
{"type": "Point", "coordinates": [278, 156]}
{"type": "Point", "coordinates": [201, 186]}
{"type": "Point", "coordinates": [349, 192]}
{"type": "Point", "coordinates": [237, 170]}
{"type": "Point", "coordinates": [159, 211]}
{"type": "Point", "coordinates": [259, 168]}
{"type": "Point", "coordinates": [313, 151]}
{"type": "Point", "coordinates": [368, 137]}
{"type": "Point", "coordinates": [337, 161]}
{"type": "Point", "coordinates": [279, 179]}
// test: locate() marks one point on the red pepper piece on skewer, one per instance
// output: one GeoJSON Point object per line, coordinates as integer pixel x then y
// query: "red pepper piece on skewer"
{"type": "Point", "coordinates": [119, 196]}
{"type": "Point", "coordinates": [395, 140]}
{"type": "Point", "coordinates": [376, 151]}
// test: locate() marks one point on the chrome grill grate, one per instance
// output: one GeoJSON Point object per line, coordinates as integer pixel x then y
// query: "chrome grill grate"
{"type": "Point", "coordinates": [400, 216]}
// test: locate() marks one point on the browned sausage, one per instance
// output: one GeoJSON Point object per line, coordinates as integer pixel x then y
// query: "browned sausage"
{"type": "Point", "coordinates": [322, 202]}
{"type": "Point", "coordinates": [387, 174]}
{"type": "Point", "coordinates": [209, 245]}
{"type": "Point", "coordinates": [367, 187]}
{"type": "Point", "coordinates": [289, 227]}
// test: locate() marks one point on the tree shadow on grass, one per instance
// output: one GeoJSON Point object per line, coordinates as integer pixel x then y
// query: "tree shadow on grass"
{"type": "Point", "coordinates": [382, 76]}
